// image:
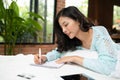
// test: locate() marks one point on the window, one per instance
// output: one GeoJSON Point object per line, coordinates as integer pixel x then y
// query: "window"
{"type": "Point", "coordinates": [82, 5]}
{"type": "Point", "coordinates": [116, 18]}
{"type": "Point", "coordinates": [45, 8]}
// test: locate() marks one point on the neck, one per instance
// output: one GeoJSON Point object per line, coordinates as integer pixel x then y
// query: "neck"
{"type": "Point", "coordinates": [83, 36]}
{"type": "Point", "coordinates": [86, 38]}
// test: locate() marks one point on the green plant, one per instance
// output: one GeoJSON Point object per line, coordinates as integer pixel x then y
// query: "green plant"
{"type": "Point", "coordinates": [13, 27]}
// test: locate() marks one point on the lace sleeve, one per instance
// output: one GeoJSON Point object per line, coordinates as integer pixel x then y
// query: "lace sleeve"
{"type": "Point", "coordinates": [105, 43]}
{"type": "Point", "coordinates": [107, 51]}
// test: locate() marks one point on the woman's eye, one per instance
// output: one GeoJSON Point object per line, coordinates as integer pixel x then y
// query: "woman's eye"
{"type": "Point", "coordinates": [66, 25]}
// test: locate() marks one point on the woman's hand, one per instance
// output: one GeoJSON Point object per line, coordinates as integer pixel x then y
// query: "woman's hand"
{"type": "Point", "coordinates": [39, 59]}
{"type": "Point", "coordinates": [73, 59]}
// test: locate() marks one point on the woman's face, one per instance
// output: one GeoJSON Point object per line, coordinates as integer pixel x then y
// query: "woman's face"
{"type": "Point", "coordinates": [69, 26]}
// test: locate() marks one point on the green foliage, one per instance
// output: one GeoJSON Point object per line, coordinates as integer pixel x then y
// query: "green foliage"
{"type": "Point", "coordinates": [13, 27]}
{"type": "Point", "coordinates": [116, 13]}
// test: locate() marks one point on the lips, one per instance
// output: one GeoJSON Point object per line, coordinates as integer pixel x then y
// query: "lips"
{"type": "Point", "coordinates": [68, 34]}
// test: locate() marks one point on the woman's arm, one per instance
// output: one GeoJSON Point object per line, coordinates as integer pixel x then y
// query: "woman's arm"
{"type": "Point", "coordinates": [69, 59]}
{"type": "Point", "coordinates": [106, 49]}
{"type": "Point", "coordinates": [52, 55]}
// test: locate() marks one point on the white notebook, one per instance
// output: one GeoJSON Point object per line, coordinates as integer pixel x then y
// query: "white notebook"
{"type": "Point", "coordinates": [50, 64]}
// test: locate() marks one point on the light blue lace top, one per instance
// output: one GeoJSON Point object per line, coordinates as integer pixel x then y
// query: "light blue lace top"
{"type": "Point", "coordinates": [105, 47]}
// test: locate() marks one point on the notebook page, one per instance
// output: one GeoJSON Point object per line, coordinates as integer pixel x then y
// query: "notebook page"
{"type": "Point", "coordinates": [50, 64]}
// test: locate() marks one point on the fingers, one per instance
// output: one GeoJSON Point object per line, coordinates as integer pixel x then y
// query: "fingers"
{"type": "Point", "coordinates": [67, 59]}
{"type": "Point", "coordinates": [36, 59]}
{"type": "Point", "coordinates": [71, 59]}
{"type": "Point", "coordinates": [39, 60]}
{"type": "Point", "coordinates": [64, 60]}
{"type": "Point", "coordinates": [59, 61]}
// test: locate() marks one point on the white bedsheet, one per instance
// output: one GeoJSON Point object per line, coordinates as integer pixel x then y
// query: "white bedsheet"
{"type": "Point", "coordinates": [13, 66]}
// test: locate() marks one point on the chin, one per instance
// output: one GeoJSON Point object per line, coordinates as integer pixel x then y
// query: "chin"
{"type": "Point", "coordinates": [71, 37]}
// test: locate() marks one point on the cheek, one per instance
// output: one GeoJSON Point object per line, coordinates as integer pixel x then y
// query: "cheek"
{"type": "Point", "coordinates": [74, 28]}
{"type": "Point", "coordinates": [71, 27]}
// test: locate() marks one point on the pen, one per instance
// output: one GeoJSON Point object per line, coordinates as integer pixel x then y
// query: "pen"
{"type": "Point", "coordinates": [40, 54]}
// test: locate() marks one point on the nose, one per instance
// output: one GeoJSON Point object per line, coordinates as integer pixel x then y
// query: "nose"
{"type": "Point", "coordinates": [64, 30]}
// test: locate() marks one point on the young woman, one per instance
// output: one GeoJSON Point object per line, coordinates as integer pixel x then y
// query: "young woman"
{"type": "Point", "coordinates": [75, 32]}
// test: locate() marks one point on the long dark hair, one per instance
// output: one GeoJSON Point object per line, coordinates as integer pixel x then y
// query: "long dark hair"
{"type": "Point", "coordinates": [63, 41]}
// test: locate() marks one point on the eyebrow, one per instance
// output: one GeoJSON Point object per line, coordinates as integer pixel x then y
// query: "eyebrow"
{"type": "Point", "coordinates": [63, 23]}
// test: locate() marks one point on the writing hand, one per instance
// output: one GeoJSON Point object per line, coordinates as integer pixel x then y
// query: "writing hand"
{"type": "Point", "coordinates": [39, 59]}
